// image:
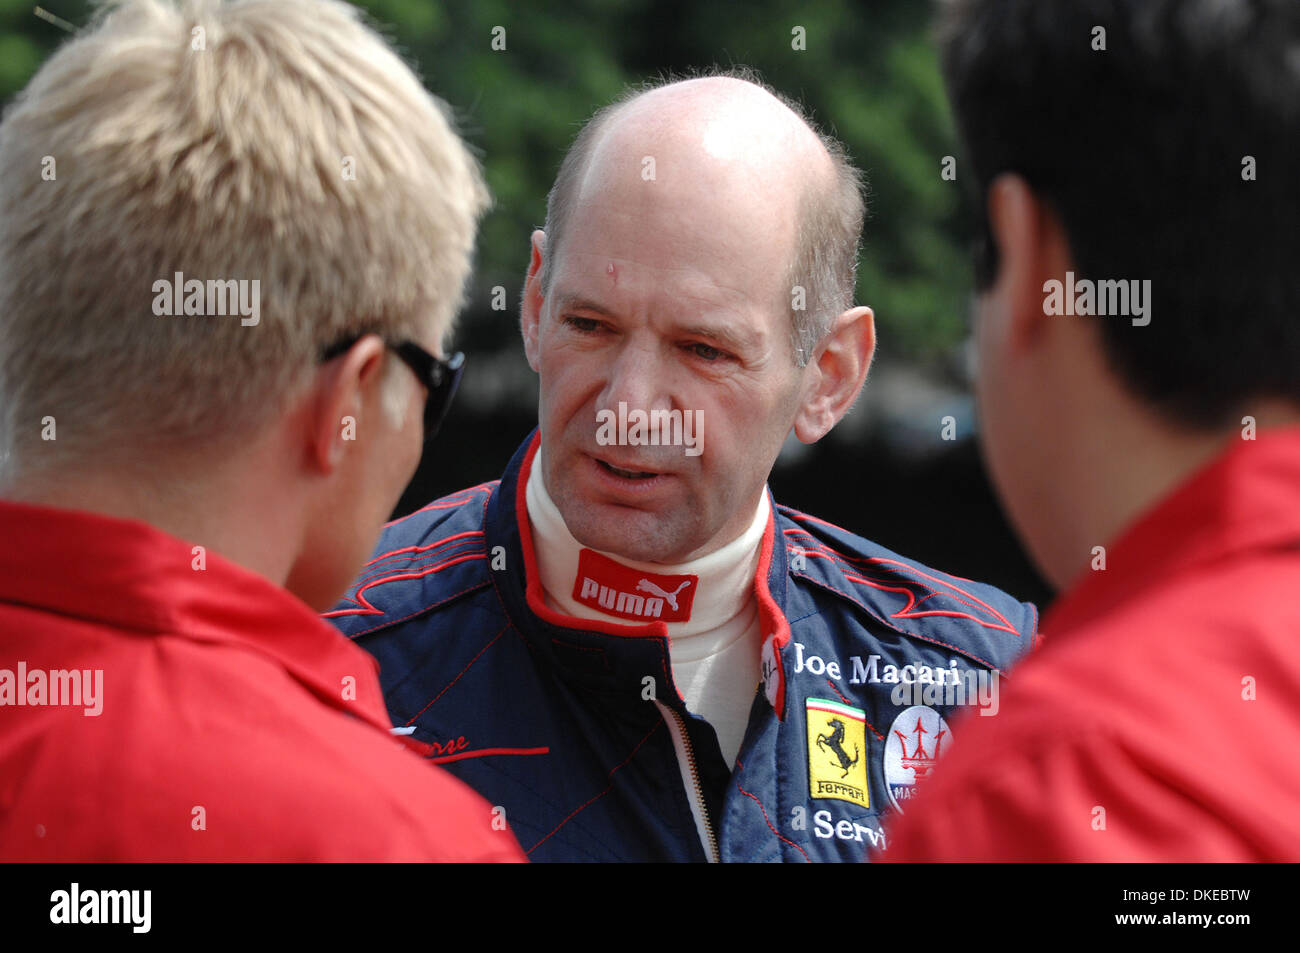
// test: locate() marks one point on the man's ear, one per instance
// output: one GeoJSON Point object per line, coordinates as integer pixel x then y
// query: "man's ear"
{"type": "Point", "coordinates": [530, 311]}
{"type": "Point", "coordinates": [344, 401]}
{"type": "Point", "coordinates": [836, 373]}
{"type": "Point", "coordinates": [1032, 249]}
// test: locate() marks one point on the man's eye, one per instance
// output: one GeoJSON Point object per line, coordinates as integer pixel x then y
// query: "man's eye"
{"type": "Point", "coordinates": [585, 325]}
{"type": "Point", "coordinates": [706, 352]}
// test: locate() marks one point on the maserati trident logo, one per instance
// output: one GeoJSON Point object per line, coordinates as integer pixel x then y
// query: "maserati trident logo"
{"type": "Point", "coordinates": [917, 738]}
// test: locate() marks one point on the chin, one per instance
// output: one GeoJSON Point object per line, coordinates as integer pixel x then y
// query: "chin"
{"type": "Point", "coordinates": [643, 537]}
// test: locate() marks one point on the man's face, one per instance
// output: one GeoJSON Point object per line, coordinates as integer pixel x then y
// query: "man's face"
{"type": "Point", "coordinates": [665, 303]}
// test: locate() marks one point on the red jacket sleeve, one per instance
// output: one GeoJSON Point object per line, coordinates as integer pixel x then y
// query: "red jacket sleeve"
{"type": "Point", "coordinates": [1077, 797]}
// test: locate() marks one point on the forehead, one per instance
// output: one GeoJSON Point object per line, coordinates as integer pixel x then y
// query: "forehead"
{"type": "Point", "coordinates": [681, 253]}
{"type": "Point", "coordinates": [690, 195]}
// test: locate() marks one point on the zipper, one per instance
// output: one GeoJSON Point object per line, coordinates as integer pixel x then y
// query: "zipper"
{"type": "Point", "coordinates": [682, 742]}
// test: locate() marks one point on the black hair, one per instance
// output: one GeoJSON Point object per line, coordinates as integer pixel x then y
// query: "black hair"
{"type": "Point", "coordinates": [1169, 155]}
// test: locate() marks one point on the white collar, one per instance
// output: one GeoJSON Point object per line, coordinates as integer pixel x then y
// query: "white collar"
{"type": "Point", "coordinates": [724, 578]}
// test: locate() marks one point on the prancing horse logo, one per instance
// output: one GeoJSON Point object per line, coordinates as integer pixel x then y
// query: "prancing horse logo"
{"type": "Point", "coordinates": [835, 741]}
{"type": "Point", "coordinates": [645, 585]}
{"type": "Point", "coordinates": [833, 729]}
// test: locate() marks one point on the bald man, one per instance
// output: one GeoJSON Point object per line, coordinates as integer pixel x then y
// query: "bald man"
{"type": "Point", "coordinates": [624, 644]}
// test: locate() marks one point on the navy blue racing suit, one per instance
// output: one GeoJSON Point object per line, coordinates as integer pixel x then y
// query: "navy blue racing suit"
{"type": "Point", "coordinates": [575, 733]}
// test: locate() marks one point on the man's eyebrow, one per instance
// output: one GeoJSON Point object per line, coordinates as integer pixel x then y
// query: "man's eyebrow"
{"type": "Point", "coordinates": [572, 302]}
{"type": "Point", "coordinates": [724, 335]}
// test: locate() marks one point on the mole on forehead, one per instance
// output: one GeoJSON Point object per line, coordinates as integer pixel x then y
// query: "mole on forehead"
{"type": "Point", "coordinates": [700, 277]}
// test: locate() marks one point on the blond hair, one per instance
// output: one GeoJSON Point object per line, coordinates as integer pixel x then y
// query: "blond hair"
{"type": "Point", "coordinates": [281, 141]}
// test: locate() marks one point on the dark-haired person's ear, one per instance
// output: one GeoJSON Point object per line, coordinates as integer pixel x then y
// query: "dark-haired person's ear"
{"type": "Point", "coordinates": [530, 311]}
{"type": "Point", "coordinates": [836, 373]}
{"type": "Point", "coordinates": [1031, 249]}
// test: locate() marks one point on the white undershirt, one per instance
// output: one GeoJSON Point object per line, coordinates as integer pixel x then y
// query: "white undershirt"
{"type": "Point", "coordinates": [715, 653]}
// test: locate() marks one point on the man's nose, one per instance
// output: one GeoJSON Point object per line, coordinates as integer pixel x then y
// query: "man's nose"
{"type": "Point", "coordinates": [637, 376]}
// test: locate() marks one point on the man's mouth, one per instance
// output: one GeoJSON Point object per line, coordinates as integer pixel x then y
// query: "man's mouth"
{"type": "Point", "coordinates": [626, 474]}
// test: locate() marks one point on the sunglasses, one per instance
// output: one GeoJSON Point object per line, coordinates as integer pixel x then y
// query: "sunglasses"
{"type": "Point", "coordinates": [440, 378]}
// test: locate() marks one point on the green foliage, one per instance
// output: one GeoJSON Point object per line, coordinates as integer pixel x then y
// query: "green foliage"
{"type": "Point", "coordinates": [868, 74]}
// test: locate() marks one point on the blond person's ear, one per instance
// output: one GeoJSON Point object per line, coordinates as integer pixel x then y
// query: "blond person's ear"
{"type": "Point", "coordinates": [349, 386]}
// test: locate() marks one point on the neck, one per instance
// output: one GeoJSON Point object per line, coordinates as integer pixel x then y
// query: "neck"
{"type": "Point", "coordinates": [1124, 462]}
{"type": "Point", "coordinates": [720, 590]}
{"type": "Point", "coordinates": [235, 510]}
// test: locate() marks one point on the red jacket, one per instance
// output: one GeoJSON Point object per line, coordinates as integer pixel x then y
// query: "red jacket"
{"type": "Point", "coordinates": [1161, 719]}
{"type": "Point", "coordinates": [196, 714]}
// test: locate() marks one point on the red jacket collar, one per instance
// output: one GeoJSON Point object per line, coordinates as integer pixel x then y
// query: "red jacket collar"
{"type": "Point", "coordinates": [1245, 500]}
{"type": "Point", "coordinates": [127, 575]}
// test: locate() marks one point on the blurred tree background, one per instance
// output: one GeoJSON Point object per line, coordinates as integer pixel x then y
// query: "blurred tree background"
{"type": "Point", "coordinates": [868, 73]}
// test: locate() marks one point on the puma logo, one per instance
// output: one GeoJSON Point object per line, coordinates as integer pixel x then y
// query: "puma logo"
{"type": "Point", "coordinates": [645, 585]}
{"type": "Point", "coordinates": [605, 584]}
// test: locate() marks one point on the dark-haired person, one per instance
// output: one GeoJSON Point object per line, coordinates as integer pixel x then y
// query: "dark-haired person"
{"type": "Point", "coordinates": [1151, 462]}
{"type": "Point", "coordinates": [627, 645]}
